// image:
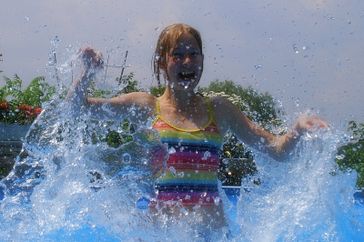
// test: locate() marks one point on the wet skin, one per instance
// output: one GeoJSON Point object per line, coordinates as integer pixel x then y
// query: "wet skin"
{"type": "Point", "coordinates": [184, 64]}
{"type": "Point", "coordinates": [182, 107]}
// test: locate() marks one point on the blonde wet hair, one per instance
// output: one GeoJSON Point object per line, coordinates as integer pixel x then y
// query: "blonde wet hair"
{"type": "Point", "coordinates": [167, 40]}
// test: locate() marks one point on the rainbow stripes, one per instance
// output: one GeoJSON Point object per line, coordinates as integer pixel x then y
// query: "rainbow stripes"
{"type": "Point", "coordinates": [191, 172]}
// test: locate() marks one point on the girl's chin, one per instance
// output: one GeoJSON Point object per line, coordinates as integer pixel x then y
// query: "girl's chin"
{"type": "Point", "coordinates": [186, 84]}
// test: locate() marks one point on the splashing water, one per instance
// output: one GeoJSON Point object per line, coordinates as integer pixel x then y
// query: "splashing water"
{"type": "Point", "coordinates": [67, 186]}
{"type": "Point", "coordinates": [304, 199]}
{"type": "Point", "coordinates": [64, 185]}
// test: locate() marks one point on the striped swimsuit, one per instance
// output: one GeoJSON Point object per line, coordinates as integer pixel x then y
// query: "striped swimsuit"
{"type": "Point", "coordinates": [190, 177]}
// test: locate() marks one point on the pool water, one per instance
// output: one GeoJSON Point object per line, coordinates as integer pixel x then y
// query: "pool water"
{"type": "Point", "coordinates": [64, 187]}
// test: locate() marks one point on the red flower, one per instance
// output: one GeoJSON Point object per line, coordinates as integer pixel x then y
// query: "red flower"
{"type": "Point", "coordinates": [29, 110]}
{"type": "Point", "coordinates": [26, 108]}
{"type": "Point", "coordinates": [4, 105]}
{"type": "Point", "coordinates": [37, 111]}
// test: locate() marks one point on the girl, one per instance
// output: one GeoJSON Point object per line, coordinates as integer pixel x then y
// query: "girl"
{"type": "Point", "coordinates": [192, 126]}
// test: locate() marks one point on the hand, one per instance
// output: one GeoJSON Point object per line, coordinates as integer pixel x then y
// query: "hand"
{"type": "Point", "coordinates": [309, 123]}
{"type": "Point", "coordinates": [91, 59]}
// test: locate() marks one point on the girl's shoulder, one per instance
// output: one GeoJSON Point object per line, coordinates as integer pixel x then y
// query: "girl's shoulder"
{"type": "Point", "coordinates": [137, 98]}
{"type": "Point", "coordinates": [223, 109]}
{"type": "Point", "coordinates": [218, 102]}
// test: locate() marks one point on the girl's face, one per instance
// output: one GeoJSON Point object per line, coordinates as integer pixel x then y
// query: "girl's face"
{"type": "Point", "coordinates": [184, 64]}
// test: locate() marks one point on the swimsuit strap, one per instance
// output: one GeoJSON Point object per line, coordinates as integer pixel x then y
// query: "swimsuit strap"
{"type": "Point", "coordinates": [210, 115]}
{"type": "Point", "coordinates": [157, 108]}
{"type": "Point", "coordinates": [210, 111]}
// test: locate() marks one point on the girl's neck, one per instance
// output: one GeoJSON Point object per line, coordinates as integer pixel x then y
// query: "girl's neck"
{"type": "Point", "coordinates": [182, 100]}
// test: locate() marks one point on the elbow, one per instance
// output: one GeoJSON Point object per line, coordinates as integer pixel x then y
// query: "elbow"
{"type": "Point", "coordinates": [281, 149]}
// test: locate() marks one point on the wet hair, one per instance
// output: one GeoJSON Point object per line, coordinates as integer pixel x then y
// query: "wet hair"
{"type": "Point", "coordinates": [167, 40]}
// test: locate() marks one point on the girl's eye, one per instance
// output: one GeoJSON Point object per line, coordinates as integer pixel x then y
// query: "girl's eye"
{"type": "Point", "coordinates": [177, 55]}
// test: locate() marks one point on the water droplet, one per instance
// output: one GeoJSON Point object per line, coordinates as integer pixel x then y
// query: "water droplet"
{"type": "Point", "coordinates": [27, 18]}
{"type": "Point", "coordinates": [258, 66]}
{"type": "Point", "coordinates": [206, 155]}
{"type": "Point", "coordinates": [217, 201]}
{"type": "Point", "coordinates": [142, 203]}
{"type": "Point", "coordinates": [144, 161]}
{"type": "Point", "coordinates": [126, 158]}
{"type": "Point", "coordinates": [171, 150]}
{"type": "Point", "coordinates": [295, 49]}
{"type": "Point", "coordinates": [340, 157]}
{"type": "Point", "coordinates": [173, 170]}
{"type": "Point", "coordinates": [297, 102]}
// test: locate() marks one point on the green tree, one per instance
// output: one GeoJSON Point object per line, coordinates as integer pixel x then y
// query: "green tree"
{"type": "Point", "coordinates": [259, 107]}
{"type": "Point", "coordinates": [351, 155]}
{"type": "Point", "coordinates": [157, 90]}
{"type": "Point", "coordinates": [128, 84]}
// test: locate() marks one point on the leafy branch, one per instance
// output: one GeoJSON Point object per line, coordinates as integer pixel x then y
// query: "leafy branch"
{"type": "Point", "coordinates": [23, 106]}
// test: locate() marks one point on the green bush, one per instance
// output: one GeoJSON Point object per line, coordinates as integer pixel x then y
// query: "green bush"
{"type": "Point", "coordinates": [23, 106]}
{"type": "Point", "coordinates": [351, 155]}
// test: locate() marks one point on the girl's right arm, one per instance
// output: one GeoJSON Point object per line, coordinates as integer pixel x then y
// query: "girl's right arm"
{"type": "Point", "coordinates": [138, 106]}
{"type": "Point", "coordinates": [92, 63]}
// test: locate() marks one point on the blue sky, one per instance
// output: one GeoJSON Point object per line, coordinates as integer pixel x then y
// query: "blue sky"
{"type": "Point", "coordinates": [306, 53]}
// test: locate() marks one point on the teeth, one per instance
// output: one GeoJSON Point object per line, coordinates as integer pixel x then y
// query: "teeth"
{"type": "Point", "coordinates": [187, 73]}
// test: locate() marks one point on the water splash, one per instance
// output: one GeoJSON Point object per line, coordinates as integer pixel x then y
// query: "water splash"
{"type": "Point", "coordinates": [305, 198]}
{"type": "Point", "coordinates": [66, 186]}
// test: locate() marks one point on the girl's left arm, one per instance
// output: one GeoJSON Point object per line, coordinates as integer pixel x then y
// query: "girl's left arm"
{"type": "Point", "coordinates": [229, 117]}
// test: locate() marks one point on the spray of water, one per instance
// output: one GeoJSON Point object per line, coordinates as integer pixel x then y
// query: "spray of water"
{"type": "Point", "coordinates": [305, 198]}
{"type": "Point", "coordinates": [67, 185]}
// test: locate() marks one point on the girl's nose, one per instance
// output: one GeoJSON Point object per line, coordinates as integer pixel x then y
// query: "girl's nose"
{"type": "Point", "coordinates": [186, 59]}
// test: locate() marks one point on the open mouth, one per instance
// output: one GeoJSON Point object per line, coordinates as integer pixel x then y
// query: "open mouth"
{"type": "Point", "coordinates": [187, 76]}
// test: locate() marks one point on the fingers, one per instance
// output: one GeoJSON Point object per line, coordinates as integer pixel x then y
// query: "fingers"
{"type": "Point", "coordinates": [318, 122]}
{"type": "Point", "coordinates": [91, 58]}
{"type": "Point", "coordinates": [309, 123]}
{"type": "Point", "coordinates": [313, 123]}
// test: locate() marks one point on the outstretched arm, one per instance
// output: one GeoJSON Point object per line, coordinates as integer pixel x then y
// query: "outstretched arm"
{"type": "Point", "coordinates": [138, 106]}
{"type": "Point", "coordinates": [229, 117]}
{"type": "Point", "coordinates": [92, 63]}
